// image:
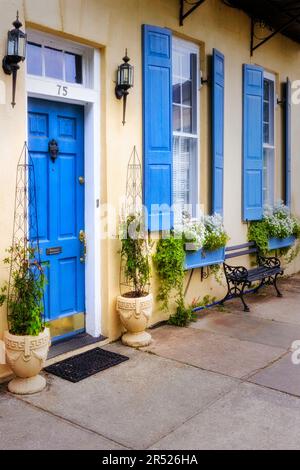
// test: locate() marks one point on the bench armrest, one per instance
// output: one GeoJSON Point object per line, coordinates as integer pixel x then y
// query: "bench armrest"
{"type": "Point", "coordinates": [238, 273]}
{"type": "Point", "coordinates": [268, 262]}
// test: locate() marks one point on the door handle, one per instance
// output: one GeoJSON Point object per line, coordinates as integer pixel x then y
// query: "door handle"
{"type": "Point", "coordinates": [82, 239]}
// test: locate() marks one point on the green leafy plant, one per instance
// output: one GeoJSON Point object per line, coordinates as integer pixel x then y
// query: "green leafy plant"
{"type": "Point", "coordinates": [169, 262]}
{"type": "Point", "coordinates": [135, 254]}
{"type": "Point", "coordinates": [24, 296]}
{"type": "Point", "coordinates": [217, 271]}
{"type": "Point", "coordinates": [258, 232]}
{"type": "Point", "coordinates": [215, 235]}
{"type": "Point", "coordinates": [183, 314]}
{"type": "Point", "coordinates": [204, 302]}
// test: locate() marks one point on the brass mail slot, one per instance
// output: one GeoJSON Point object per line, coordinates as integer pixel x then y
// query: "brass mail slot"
{"type": "Point", "coordinates": [54, 251]}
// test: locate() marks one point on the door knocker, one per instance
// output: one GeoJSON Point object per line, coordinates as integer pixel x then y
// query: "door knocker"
{"type": "Point", "coordinates": [53, 150]}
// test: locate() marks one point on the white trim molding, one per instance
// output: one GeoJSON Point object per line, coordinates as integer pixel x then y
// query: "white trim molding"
{"type": "Point", "coordinates": [45, 88]}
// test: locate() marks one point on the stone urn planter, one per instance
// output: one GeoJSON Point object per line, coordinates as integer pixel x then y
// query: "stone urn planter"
{"type": "Point", "coordinates": [135, 313]}
{"type": "Point", "coordinates": [26, 356]}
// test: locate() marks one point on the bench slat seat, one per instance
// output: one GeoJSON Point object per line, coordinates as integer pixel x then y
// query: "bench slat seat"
{"type": "Point", "coordinates": [257, 274]}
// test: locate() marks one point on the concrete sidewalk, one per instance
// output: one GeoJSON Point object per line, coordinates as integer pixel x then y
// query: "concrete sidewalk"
{"type": "Point", "coordinates": [225, 382]}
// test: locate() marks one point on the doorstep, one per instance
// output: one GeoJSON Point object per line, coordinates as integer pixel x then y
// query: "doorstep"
{"type": "Point", "coordinates": [73, 347]}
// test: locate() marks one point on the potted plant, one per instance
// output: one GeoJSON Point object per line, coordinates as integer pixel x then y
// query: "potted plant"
{"type": "Point", "coordinates": [27, 339]}
{"type": "Point", "coordinates": [278, 229]}
{"type": "Point", "coordinates": [205, 241]}
{"type": "Point", "coordinates": [135, 305]}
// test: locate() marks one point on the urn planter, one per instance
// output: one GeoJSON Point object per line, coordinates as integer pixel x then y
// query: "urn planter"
{"type": "Point", "coordinates": [277, 243]}
{"type": "Point", "coordinates": [201, 258]}
{"type": "Point", "coordinates": [26, 356]}
{"type": "Point", "coordinates": [135, 313]}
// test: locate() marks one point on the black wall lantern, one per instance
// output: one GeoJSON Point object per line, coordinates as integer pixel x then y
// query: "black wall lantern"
{"type": "Point", "coordinates": [15, 53]}
{"type": "Point", "coordinates": [124, 82]}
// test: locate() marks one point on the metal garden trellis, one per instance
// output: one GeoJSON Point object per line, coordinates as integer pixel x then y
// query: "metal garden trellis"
{"type": "Point", "coordinates": [25, 225]}
{"type": "Point", "coordinates": [134, 198]}
{"type": "Point", "coordinates": [133, 204]}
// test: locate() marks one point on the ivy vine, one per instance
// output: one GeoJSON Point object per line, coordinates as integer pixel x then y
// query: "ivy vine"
{"type": "Point", "coordinates": [169, 262]}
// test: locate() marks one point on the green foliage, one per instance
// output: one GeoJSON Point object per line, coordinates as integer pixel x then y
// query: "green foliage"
{"type": "Point", "coordinates": [215, 235]}
{"type": "Point", "coordinates": [169, 262]}
{"type": "Point", "coordinates": [296, 231]}
{"type": "Point", "coordinates": [25, 296]}
{"type": "Point", "coordinates": [215, 241]}
{"type": "Point", "coordinates": [290, 253]}
{"type": "Point", "coordinates": [258, 232]}
{"type": "Point", "coordinates": [218, 273]}
{"type": "Point", "coordinates": [183, 314]}
{"type": "Point", "coordinates": [206, 300]}
{"type": "Point", "coordinates": [135, 254]}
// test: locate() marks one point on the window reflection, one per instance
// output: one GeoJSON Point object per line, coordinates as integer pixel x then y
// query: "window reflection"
{"type": "Point", "coordinates": [185, 126]}
{"type": "Point", "coordinates": [34, 59]}
{"type": "Point", "coordinates": [53, 63]}
{"type": "Point", "coordinates": [73, 64]}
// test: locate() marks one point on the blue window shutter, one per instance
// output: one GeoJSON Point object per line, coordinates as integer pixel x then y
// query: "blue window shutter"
{"type": "Point", "coordinates": [253, 142]}
{"type": "Point", "coordinates": [218, 76]}
{"type": "Point", "coordinates": [157, 126]}
{"type": "Point", "coordinates": [288, 137]}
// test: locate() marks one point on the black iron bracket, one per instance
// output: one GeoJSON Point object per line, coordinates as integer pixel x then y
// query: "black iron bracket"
{"type": "Point", "coordinates": [204, 273]}
{"type": "Point", "coordinates": [281, 102]}
{"type": "Point", "coordinates": [194, 5]}
{"type": "Point", "coordinates": [253, 46]}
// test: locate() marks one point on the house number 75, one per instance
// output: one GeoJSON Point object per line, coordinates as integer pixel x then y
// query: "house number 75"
{"type": "Point", "coordinates": [62, 90]}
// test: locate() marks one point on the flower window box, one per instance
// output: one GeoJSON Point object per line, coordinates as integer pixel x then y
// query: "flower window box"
{"type": "Point", "coordinates": [277, 243]}
{"type": "Point", "coordinates": [201, 258]}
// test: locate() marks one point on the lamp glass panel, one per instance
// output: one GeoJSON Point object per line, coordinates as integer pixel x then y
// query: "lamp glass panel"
{"type": "Point", "coordinates": [125, 76]}
{"type": "Point", "coordinates": [119, 76]}
{"type": "Point", "coordinates": [10, 44]}
{"type": "Point", "coordinates": [22, 46]}
{"type": "Point", "coordinates": [131, 75]}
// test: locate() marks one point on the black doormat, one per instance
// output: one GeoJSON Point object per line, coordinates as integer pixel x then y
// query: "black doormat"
{"type": "Point", "coordinates": [84, 365]}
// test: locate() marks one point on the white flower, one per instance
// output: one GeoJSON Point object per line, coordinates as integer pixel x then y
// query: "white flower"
{"type": "Point", "coordinates": [280, 222]}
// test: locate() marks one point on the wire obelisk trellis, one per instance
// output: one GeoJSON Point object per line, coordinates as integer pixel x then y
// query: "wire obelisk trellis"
{"type": "Point", "coordinates": [25, 225]}
{"type": "Point", "coordinates": [134, 198]}
{"type": "Point", "coordinates": [133, 205]}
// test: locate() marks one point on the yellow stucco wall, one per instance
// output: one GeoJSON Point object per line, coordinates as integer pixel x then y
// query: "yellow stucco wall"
{"type": "Point", "coordinates": [113, 25]}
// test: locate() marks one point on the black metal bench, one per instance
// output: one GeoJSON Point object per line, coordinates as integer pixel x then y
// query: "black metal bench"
{"type": "Point", "coordinates": [239, 278]}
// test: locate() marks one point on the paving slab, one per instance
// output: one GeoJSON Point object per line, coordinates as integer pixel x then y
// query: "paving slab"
{"type": "Point", "coordinates": [283, 375]}
{"type": "Point", "coordinates": [284, 309]}
{"type": "Point", "coordinates": [245, 326]}
{"type": "Point", "coordinates": [23, 427]}
{"type": "Point", "coordinates": [137, 402]}
{"type": "Point", "coordinates": [291, 284]}
{"type": "Point", "coordinates": [249, 417]}
{"type": "Point", "coordinates": [210, 351]}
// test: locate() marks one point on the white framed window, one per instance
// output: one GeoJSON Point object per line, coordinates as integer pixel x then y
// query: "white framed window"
{"type": "Point", "coordinates": [57, 60]}
{"type": "Point", "coordinates": [269, 138]}
{"type": "Point", "coordinates": [185, 79]}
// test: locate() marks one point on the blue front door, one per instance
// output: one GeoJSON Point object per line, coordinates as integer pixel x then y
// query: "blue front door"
{"type": "Point", "coordinates": [60, 208]}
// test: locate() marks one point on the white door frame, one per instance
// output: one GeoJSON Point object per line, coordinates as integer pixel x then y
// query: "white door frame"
{"type": "Point", "coordinates": [41, 87]}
